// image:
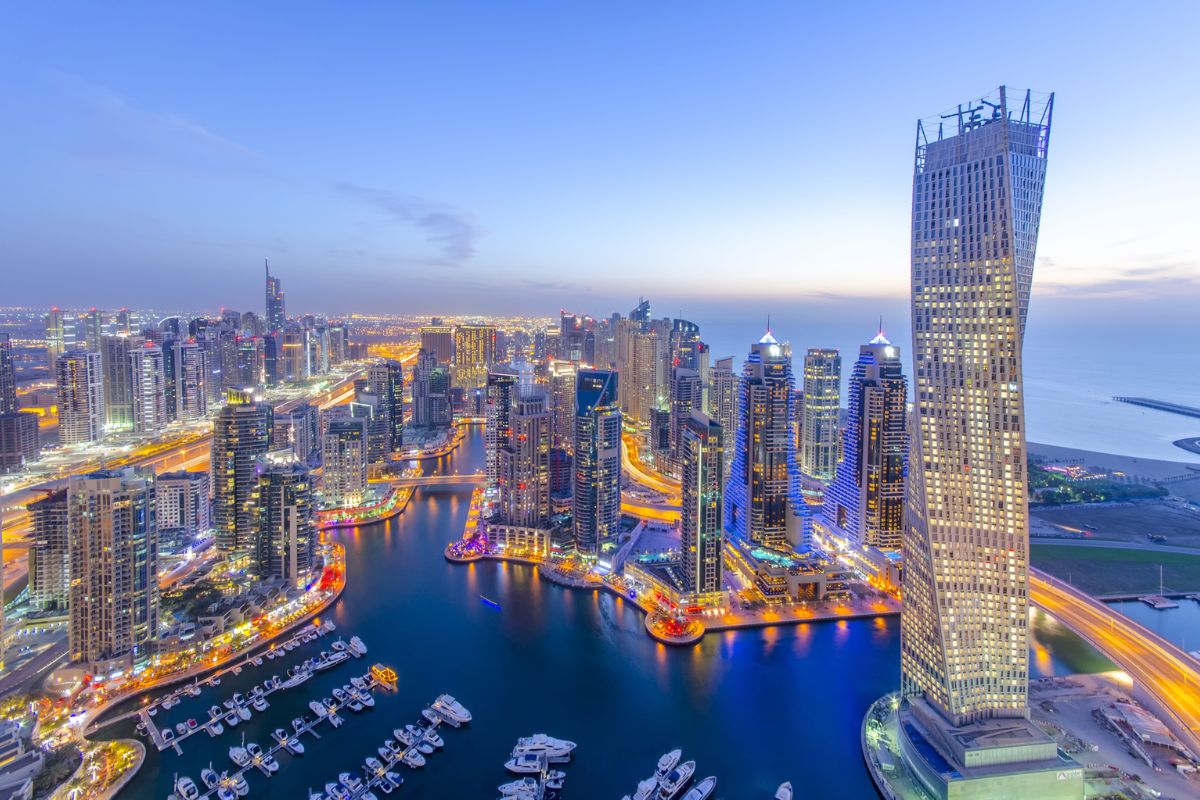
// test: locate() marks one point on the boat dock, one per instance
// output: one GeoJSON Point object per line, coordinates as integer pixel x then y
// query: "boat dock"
{"type": "Point", "coordinates": [1161, 405]}
{"type": "Point", "coordinates": [1158, 601]}
{"type": "Point", "coordinates": [373, 781]}
{"type": "Point", "coordinates": [275, 747]}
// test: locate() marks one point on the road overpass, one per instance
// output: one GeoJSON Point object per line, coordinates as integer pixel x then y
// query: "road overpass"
{"type": "Point", "coordinates": [470, 479]}
{"type": "Point", "coordinates": [1170, 676]}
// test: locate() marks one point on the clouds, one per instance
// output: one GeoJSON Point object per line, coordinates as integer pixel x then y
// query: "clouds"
{"type": "Point", "coordinates": [454, 232]}
{"type": "Point", "coordinates": [1147, 277]}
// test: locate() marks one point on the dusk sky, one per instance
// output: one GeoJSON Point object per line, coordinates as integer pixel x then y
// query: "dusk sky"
{"type": "Point", "coordinates": [505, 157]}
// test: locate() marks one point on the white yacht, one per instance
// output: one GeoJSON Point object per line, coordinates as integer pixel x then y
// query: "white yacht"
{"type": "Point", "coordinates": [403, 736]}
{"type": "Point", "coordinates": [231, 719]}
{"type": "Point", "coordinates": [335, 792]}
{"type": "Point", "coordinates": [296, 677]}
{"type": "Point", "coordinates": [186, 789]}
{"type": "Point", "coordinates": [667, 763]}
{"type": "Point", "coordinates": [672, 785]}
{"type": "Point", "coordinates": [453, 711]}
{"type": "Point", "coordinates": [338, 645]}
{"type": "Point", "coordinates": [318, 708]}
{"type": "Point", "coordinates": [373, 765]}
{"type": "Point", "coordinates": [556, 750]}
{"type": "Point", "coordinates": [432, 716]}
{"type": "Point", "coordinates": [215, 728]}
{"type": "Point", "coordinates": [259, 703]}
{"type": "Point", "coordinates": [240, 755]}
{"type": "Point", "coordinates": [702, 790]}
{"type": "Point", "coordinates": [432, 737]}
{"type": "Point", "coordinates": [238, 783]}
{"type": "Point", "coordinates": [357, 648]}
{"type": "Point", "coordinates": [784, 792]}
{"type": "Point", "coordinates": [646, 789]}
{"type": "Point", "coordinates": [413, 759]}
{"type": "Point", "coordinates": [528, 762]}
{"type": "Point", "coordinates": [520, 786]}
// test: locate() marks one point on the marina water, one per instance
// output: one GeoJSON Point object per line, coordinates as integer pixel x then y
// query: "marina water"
{"type": "Point", "coordinates": [753, 708]}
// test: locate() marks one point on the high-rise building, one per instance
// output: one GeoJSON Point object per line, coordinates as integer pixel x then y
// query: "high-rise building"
{"type": "Point", "coordinates": [344, 461]}
{"type": "Point", "coordinates": [438, 341]}
{"type": "Point", "coordinates": [687, 395]}
{"type": "Point", "coordinates": [702, 451]}
{"type": "Point", "coordinates": [241, 433]}
{"type": "Point", "coordinates": [250, 369]}
{"type": "Point", "coordinates": [386, 379]}
{"type": "Point", "coordinates": [431, 393]}
{"type": "Point", "coordinates": [19, 440]}
{"type": "Point", "coordinates": [113, 532]}
{"type": "Point", "coordinates": [474, 353]}
{"type": "Point", "coordinates": [91, 328]}
{"type": "Point", "coordinates": [642, 370]}
{"type": "Point", "coordinates": [118, 380]}
{"type": "Point", "coordinates": [297, 428]}
{"type": "Point", "coordinates": [149, 388]}
{"type": "Point", "coordinates": [596, 486]}
{"type": "Point", "coordinates": [762, 500]}
{"type": "Point", "coordinates": [964, 631]}
{"type": "Point", "coordinates": [561, 381]}
{"type": "Point", "coordinates": [524, 463]}
{"type": "Point", "coordinates": [286, 541]}
{"type": "Point", "coordinates": [80, 397]}
{"type": "Point", "coordinates": [50, 553]}
{"type": "Point", "coordinates": [183, 509]}
{"type": "Point", "coordinates": [8, 376]}
{"type": "Point", "coordinates": [60, 334]}
{"type": "Point", "coordinates": [275, 315]}
{"type": "Point", "coordinates": [497, 431]}
{"type": "Point", "coordinates": [722, 404]}
{"type": "Point", "coordinates": [819, 424]}
{"type": "Point", "coordinates": [865, 502]}
{"type": "Point", "coordinates": [190, 374]}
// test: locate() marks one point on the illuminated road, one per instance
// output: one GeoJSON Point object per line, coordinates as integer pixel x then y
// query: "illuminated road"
{"type": "Point", "coordinates": [644, 475]}
{"type": "Point", "coordinates": [473, 478]}
{"type": "Point", "coordinates": [1156, 665]}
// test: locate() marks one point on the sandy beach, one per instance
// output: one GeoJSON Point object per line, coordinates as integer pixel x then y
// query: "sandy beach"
{"type": "Point", "coordinates": [1131, 465]}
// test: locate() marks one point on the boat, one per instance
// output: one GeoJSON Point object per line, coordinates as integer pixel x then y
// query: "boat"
{"type": "Point", "coordinates": [341, 696]}
{"type": "Point", "coordinates": [432, 737]}
{"type": "Point", "coordinates": [453, 711]}
{"type": "Point", "coordinates": [259, 703]}
{"type": "Point", "coordinates": [328, 627]}
{"type": "Point", "coordinates": [192, 724]}
{"type": "Point", "coordinates": [555, 778]}
{"type": "Point", "coordinates": [556, 750]}
{"type": "Point", "coordinates": [431, 716]}
{"type": "Point", "coordinates": [243, 712]}
{"type": "Point", "coordinates": [527, 762]}
{"type": "Point", "coordinates": [403, 736]}
{"type": "Point", "coordinates": [357, 648]}
{"type": "Point", "coordinates": [231, 719]}
{"type": "Point", "coordinates": [354, 705]}
{"type": "Point", "coordinates": [215, 712]}
{"type": "Point", "coordinates": [298, 723]}
{"type": "Point", "coordinates": [646, 789]}
{"type": "Point", "coordinates": [168, 735]}
{"type": "Point", "coordinates": [350, 781]}
{"type": "Point", "coordinates": [236, 670]}
{"type": "Point", "coordinates": [338, 645]}
{"type": "Point", "coordinates": [210, 777]}
{"type": "Point", "coordinates": [393, 748]}
{"type": "Point", "coordinates": [702, 790]}
{"type": "Point", "coordinates": [181, 728]}
{"type": "Point", "coordinates": [290, 744]}
{"type": "Point", "coordinates": [335, 720]}
{"type": "Point", "coordinates": [296, 677]}
{"type": "Point", "coordinates": [318, 708]}
{"type": "Point", "coordinates": [238, 782]}
{"type": "Point", "coordinates": [386, 753]}
{"type": "Point", "coordinates": [358, 683]}
{"type": "Point", "coordinates": [215, 728]}
{"type": "Point", "coordinates": [257, 661]}
{"type": "Point", "coordinates": [487, 601]}
{"type": "Point", "coordinates": [363, 697]}
{"type": "Point", "coordinates": [255, 751]}
{"type": "Point", "coordinates": [373, 765]}
{"type": "Point", "coordinates": [193, 690]}
{"type": "Point", "coordinates": [394, 779]}
{"type": "Point", "coordinates": [335, 792]}
{"type": "Point", "coordinates": [240, 756]}
{"type": "Point", "coordinates": [670, 786]}
{"type": "Point", "coordinates": [186, 789]}
{"type": "Point", "coordinates": [214, 681]}
{"type": "Point", "coordinates": [784, 792]}
{"type": "Point", "coordinates": [667, 763]}
{"type": "Point", "coordinates": [519, 786]}
{"type": "Point", "coordinates": [413, 759]}
{"type": "Point", "coordinates": [332, 660]}
{"type": "Point", "coordinates": [270, 764]}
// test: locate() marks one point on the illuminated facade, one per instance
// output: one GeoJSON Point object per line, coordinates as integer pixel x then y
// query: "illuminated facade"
{"type": "Point", "coordinates": [114, 568]}
{"type": "Point", "coordinates": [474, 352]}
{"type": "Point", "coordinates": [819, 421]}
{"type": "Point", "coordinates": [80, 397]}
{"type": "Point", "coordinates": [241, 433]}
{"type": "Point", "coordinates": [722, 403]}
{"type": "Point", "coordinates": [865, 501]}
{"type": "Point", "coordinates": [702, 451]}
{"type": "Point", "coordinates": [497, 430]}
{"type": "Point", "coordinates": [762, 497]}
{"type": "Point", "coordinates": [977, 197]}
{"type": "Point", "coordinates": [438, 341]}
{"type": "Point", "coordinates": [276, 315]}
{"type": "Point", "coordinates": [596, 486]}
{"type": "Point", "coordinates": [561, 382]}
{"type": "Point", "coordinates": [285, 537]}
{"type": "Point", "coordinates": [344, 461]}
{"type": "Point", "coordinates": [118, 380]}
{"type": "Point", "coordinates": [149, 384]}
{"type": "Point", "coordinates": [524, 463]}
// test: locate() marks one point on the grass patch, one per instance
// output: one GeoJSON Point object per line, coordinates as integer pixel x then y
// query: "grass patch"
{"type": "Point", "coordinates": [1105, 570]}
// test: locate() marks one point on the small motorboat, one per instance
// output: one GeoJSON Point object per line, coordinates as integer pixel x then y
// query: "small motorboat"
{"type": "Point", "coordinates": [240, 756]}
{"type": "Point", "coordinates": [335, 792]}
{"type": "Point", "coordinates": [373, 765]}
{"type": "Point", "coordinates": [670, 786]}
{"type": "Point", "coordinates": [239, 785]}
{"type": "Point", "coordinates": [259, 703]}
{"type": "Point", "coordinates": [350, 781]}
{"type": "Point", "coordinates": [702, 790]}
{"type": "Point", "coordinates": [215, 728]}
{"type": "Point", "coordinates": [336, 721]}
{"type": "Point", "coordinates": [231, 719]}
{"type": "Point", "coordinates": [784, 792]}
{"type": "Point", "coordinates": [186, 789]}
{"type": "Point", "coordinates": [667, 762]}
{"type": "Point", "coordinates": [413, 759]}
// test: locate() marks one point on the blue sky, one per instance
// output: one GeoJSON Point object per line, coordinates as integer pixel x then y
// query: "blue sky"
{"type": "Point", "coordinates": [509, 157]}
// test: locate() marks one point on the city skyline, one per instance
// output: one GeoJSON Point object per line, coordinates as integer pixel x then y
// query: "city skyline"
{"type": "Point", "coordinates": [340, 198]}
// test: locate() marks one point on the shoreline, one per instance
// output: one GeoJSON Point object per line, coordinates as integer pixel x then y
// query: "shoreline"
{"type": "Point", "coordinates": [1149, 468]}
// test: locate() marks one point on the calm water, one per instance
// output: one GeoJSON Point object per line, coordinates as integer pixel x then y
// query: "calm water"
{"type": "Point", "coordinates": [1178, 625]}
{"type": "Point", "coordinates": [754, 708]}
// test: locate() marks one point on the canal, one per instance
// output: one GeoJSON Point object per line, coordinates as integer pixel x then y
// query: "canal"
{"type": "Point", "coordinates": [754, 708]}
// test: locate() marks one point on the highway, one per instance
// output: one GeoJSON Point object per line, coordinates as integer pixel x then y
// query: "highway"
{"type": "Point", "coordinates": [1163, 670]}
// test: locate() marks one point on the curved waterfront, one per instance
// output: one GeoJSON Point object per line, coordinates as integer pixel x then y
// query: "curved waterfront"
{"type": "Point", "coordinates": [753, 707]}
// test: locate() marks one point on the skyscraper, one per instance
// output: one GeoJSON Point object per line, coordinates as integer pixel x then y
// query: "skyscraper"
{"type": "Point", "coordinates": [241, 433]}
{"type": "Point", "coordinates": [114, 569]}
{"type": "Point", "coordinates": [497, 431]}
{"type": "Point", "coordinates": [596, 482]}
{"type": "Point", "coordinates": [50, 553]}
{"type": "Point", "coordinates": [80, 397]}
{"type": "Point", "coordinates": [687, 395]}
{"type": "Point", "coordinates": [386, 379]}
{"type": "Point", "coordinates": [865, 502]}
{"type": "Point", "coordinates": [148, 389]}
{"type": "Point", "coordinates": [561, 381]}
{"type": "Point", "coordinates": [819, 424]}
{"type": "Point", "coordinates": [474, 352]}
{"type": "Point", "coordinates": [722, 405]}
{"type": "Point", "coordinates": [977, 198]}
{"type": "Point", "coordinates": [184, 509]}
{"type": "Point", "coordinates": [762, 499]}
{"type": "Point", "coordinates": [60, 334]}
{"type": "Point", "coordinates": [8, 377]}
{"type": "Point", "coordinates": [297, 428]}
{"type": "Point", "coordinates": [19, 440]}
{"type": "Point", "coordinates": [430, 393]}
{"type": "Point", "coordinates": [344, 460]}
{"type": "Point", "coordinates": [438, 341]}
{"type": "Point", "coordinates": [702, 451]}
{"type": "Point", "coordinates": [274, 307]}
{"type": "Point", "coordinates": [190, 375]}
{"type": "Point", "coordinates": [90, 327]}
{"type": "Point", "coordinates": [524, 463]}
{"type": "Point", "coordinates": [118, 380]}
{"type": "Point", "coordinates": [286, 538]}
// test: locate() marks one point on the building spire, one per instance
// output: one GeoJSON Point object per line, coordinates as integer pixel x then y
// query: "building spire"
{"type": "Point", "coordinates": [267, 264]}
